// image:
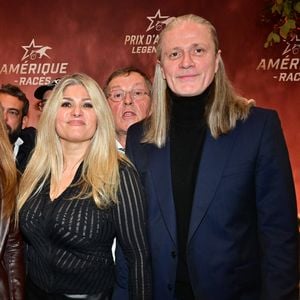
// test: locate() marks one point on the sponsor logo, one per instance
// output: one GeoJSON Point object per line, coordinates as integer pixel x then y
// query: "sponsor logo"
{"type": "Point", "coordinates": [282, 19]}
{"type": "Point", "coordinates": [145, 42]}
{"type": "Point", "coordinates": [287, 67]}
{"type": "Point", "coordinates": [32, 51]}
{"type": "Point", "coordinates": [35, 67]}
{"type": "Point", "coordinates": [157, 21]}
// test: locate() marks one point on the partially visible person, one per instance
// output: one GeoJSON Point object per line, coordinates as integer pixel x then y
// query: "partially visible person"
{"type": "Point", "coordinates": [77, 194]}
{"type": "Point", "coordinates": [11, 247]}
{"type": "Point", "coordinates": [43, 92]}
{"type": "Point", "coordinates": [15, 111]}
{"type": "Point", "coordinates": [128, 91]}
{"type": "Point", "coordinates": [222, 217]}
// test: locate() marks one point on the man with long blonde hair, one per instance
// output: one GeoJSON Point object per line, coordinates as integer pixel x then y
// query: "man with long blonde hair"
{"type": "Point", "coordinates": [222, 218]}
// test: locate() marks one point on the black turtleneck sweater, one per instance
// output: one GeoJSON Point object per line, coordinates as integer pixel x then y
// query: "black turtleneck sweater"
{"type": "Point", "coordinates": [187, 131]}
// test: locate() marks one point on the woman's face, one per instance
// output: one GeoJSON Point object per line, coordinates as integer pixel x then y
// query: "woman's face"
{"type": "Point", "coordinates": [76, 119]}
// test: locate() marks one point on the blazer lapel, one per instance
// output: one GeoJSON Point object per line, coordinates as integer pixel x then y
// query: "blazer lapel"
{"type": "Point", "coordinates": [214, 156]}
{"type": "Point", "coordinates": [160, 170]}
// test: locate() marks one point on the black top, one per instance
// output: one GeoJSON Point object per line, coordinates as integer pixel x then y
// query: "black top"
{"type": "Point", "coordinates": [187, 131]}
{"type": "Point", "coordinates": [27, 135]}
{"type": "Point", "coordinates": [69, 241]}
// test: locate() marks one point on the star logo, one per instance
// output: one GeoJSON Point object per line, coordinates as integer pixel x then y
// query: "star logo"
{"type": "Point", "coordinates": [292, 48]}
{"type": "Point", "coordinates": [157, 21]}
{"type": "Point", "coordinates": [34, 51]}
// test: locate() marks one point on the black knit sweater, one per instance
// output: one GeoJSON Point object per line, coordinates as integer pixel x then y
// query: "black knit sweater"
{"type": "Point", "coordinates": [187, 131]}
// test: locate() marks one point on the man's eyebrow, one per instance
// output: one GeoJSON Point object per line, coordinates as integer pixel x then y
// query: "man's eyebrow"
{"type": "Point", "coordinates": [117, 86]}
{"type": "Point", "coordinates": [174, 48]}
{"type": "Point", "coordinates": [134, 85]}
{"type": "Point", "coordinates": [15, 109]}
{"type": "Point", "coordinates": [139, 83]}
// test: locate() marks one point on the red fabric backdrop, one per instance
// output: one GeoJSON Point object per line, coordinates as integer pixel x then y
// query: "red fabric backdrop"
{"type": "Point", "coordinates": [43, 40]}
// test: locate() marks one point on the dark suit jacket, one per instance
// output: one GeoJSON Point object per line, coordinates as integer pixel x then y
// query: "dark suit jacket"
{"type": "Point", "coordinates": [243, 237]}
{"type": "Point", "coordinates": [28, 136]}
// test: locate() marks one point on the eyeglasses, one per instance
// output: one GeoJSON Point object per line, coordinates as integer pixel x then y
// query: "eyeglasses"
{"type": "Point", "coordinates": [120, 95]}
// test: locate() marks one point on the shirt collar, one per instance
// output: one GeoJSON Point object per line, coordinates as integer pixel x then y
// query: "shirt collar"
{"type": "Point", "coordinates": [17, 145]}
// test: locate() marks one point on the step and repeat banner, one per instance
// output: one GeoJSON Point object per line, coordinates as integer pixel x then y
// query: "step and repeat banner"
{"type": "Point", "coordinates": [260, 43]}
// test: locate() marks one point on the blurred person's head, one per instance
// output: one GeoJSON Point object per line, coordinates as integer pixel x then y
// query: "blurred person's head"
{"type": "Point", "coordinates": [43, 92]}
{"type": "Point", "coordinates": [15, 109]}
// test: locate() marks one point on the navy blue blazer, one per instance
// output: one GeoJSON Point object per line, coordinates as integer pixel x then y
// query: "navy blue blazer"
{"type": "Point", "coordinates": [243, 235]}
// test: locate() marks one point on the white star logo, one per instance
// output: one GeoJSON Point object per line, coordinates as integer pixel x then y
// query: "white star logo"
{"type": "Point", "coordinates": [157, 21]}
{"type": "Point", "coordinates": [33, 50]}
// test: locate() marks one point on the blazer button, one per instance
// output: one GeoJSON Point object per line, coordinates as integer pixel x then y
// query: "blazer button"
{"type": "Point", "coordinates": [170, 287]}
{"type": "Point", "coordinates": [173, 254]}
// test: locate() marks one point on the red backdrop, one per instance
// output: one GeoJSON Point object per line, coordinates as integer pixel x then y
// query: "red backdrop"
{"type": "Point", "coordinates": [43, 40]}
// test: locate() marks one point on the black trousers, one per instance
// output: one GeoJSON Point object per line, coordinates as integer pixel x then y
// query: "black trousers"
{"type": "Point", "coordinates": [32, 292]}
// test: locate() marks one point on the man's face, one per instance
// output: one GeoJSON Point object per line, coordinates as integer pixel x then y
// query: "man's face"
{"type": "Point", "coordinates": [12, 114]}
{"type": "Point", "coordinates": [129, 110]}
{"type": "Point", "coordinates": [188, 59]}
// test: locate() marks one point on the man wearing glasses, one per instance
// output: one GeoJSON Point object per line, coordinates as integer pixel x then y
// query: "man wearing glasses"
{"type": "Point", "coordinates": [15, 107]}
{"type": "Point", "coordinates": [128, 91]}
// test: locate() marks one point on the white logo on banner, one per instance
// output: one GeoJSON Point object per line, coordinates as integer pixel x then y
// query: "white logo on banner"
{"type": "Point", "coordinates": [33, 50]}
{"type": "Point", "coordinates": [157, 21]}
{"type": "Point", "coordinates": [286, 67]}
{"type": "Point", "coordinates": [145, 43]}
{"type": "Point", "coordinates": [33, 70]}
